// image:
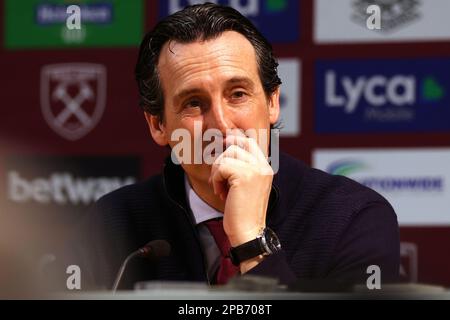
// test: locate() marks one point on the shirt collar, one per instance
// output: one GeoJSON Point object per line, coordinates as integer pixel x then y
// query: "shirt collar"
{"type": "Point", "coordinates": [201, 210]}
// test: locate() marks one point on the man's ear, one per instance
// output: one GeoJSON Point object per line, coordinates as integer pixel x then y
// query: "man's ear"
{"type": "Point", "coordinates": [157, 129]}
{"type": "Point", "coordinates": [274, 106]}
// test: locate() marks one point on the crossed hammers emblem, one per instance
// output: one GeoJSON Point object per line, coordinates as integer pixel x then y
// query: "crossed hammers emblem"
{"type": "Point", "coordinates": [73, 104]}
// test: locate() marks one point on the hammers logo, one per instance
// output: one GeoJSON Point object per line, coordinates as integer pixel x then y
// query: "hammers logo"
{"type": "Point", "coordinates": [73, 97]}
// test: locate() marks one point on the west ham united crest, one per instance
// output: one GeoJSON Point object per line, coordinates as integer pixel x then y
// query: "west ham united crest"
{"type": "Point", "coordinates": [73, 97]}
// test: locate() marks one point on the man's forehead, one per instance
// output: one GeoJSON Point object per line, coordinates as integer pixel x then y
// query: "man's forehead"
{"type": "Point", "coordinates": [229, 44]}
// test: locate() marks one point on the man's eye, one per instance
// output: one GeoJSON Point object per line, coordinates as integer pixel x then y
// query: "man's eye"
{"type": "Point", "coordinates": [193, 104]}
{"type": "Point", "coordinates": [238, 95]}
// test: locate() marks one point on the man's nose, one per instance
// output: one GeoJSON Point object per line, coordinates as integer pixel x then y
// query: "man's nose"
{"type": "Point", "coordinates": [218, 117]}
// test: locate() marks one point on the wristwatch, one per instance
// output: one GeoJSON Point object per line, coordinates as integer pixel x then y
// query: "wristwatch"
{"type": "Point", "coordinates": [266, 243]}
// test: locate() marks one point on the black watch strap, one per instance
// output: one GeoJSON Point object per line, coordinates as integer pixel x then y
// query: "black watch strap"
{"type": "Point", "coordinates": [246, 251]}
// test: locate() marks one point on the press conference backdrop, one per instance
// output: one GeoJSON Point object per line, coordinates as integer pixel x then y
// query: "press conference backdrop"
{"type": "Point", "coordinates": [373, 105]}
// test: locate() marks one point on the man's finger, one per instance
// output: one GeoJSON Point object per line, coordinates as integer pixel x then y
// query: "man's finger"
{"type": "Point", "coordinates": [239, 153]}
{"type": "Point", "coordinates": [248, 144]}
{"type": "Point", "coordinates": [223, 172]}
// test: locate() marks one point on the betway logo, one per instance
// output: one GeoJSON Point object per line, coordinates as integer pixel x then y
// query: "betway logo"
{"type": "Point", "coordinates": [62, 188]}
{"type": "Point", "coordinates": [249, 8]}
{"type": "Point", "coordinates": [377, 90]}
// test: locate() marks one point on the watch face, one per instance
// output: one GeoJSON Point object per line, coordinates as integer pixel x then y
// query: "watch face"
{"type": "Point", "coordinates": [271, 242]}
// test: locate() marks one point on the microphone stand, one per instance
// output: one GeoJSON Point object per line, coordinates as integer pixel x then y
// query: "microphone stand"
{"type": "Point", "coordinates": [122, 270]}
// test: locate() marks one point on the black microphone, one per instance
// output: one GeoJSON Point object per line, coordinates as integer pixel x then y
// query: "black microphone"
{"type": "Point", "coordinates": [153, 250]}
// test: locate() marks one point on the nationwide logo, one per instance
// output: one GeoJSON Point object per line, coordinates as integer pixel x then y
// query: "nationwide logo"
{"type": "Point", "coordinates": [355, 169]}
{"type": "Point", "coordinates": [62, 188]}
{"type": "Point", "coordinates": [383, 96]}
{"type": "Point", "coordinates": [73, 97]}
{"type": "Point", "coordinates": [276, 19]}
{"type": "Point", "coordinates": [413, 180]}
{"type": "Point", "coordinates": [345, 167]}
{"type": "Point", "coordinates": [394, 13]}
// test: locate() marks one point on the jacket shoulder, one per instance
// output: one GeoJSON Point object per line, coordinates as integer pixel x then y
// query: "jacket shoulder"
{"type": "Point", "coordinates": [316, 188]}
{"type": "Point", "coordinates": [334, 226]}
{"type": "Point", "coordinates": [134, 195]}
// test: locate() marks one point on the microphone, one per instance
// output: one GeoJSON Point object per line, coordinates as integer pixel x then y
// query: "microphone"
{"type": "Point", "coordinates": [153, 250]}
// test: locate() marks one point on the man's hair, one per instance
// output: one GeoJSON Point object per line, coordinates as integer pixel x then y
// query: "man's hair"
{"type": "Point", "coordinates": [198, 23]}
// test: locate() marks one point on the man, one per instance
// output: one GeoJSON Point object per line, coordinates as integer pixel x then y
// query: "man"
{"type": "Point", "coordinates": [208, 67]}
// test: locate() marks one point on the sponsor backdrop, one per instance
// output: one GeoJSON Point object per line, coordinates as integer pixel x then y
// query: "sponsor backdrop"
{"type": "Point", "coordinates": [372, 105]}
{"type": "Point", "coordinates": [394, 173]}
{"type": "Point", "coordinates": [382, 96]}
{"type": "Point", "coordinates": [344, 21]}
{"type": "Point", "coordinates": [35, 23]}
{"type": "Point", "coordinates": [282, 14]}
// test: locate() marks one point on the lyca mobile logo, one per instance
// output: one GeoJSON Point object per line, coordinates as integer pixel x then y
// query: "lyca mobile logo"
{"type": "Point", "coordinates": [384, 183]}
{"type": "Point", "coordinates": [378, 90]}
{"type": "Point", "coordinates": [249, 8]}
{"type": "Point", "coordinates": [382, 95]}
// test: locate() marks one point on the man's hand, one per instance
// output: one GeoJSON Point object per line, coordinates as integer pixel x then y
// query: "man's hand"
{"type": "Point", "coordinates": [242, 177]}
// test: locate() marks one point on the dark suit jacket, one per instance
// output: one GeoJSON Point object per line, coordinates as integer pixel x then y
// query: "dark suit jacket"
{"type": "Point", "coordinates": [330, 227]}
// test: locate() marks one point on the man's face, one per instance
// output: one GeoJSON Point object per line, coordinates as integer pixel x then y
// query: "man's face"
{"type": "Point", "coordinates": [216, 84]}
